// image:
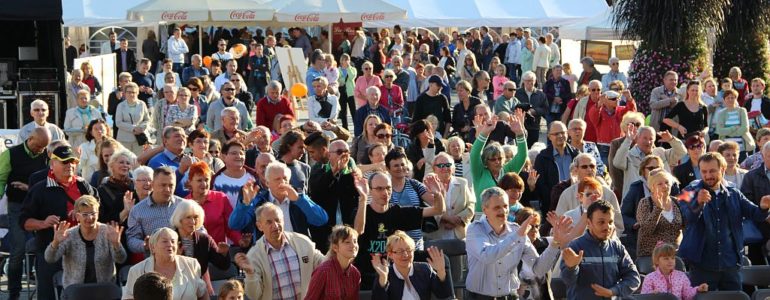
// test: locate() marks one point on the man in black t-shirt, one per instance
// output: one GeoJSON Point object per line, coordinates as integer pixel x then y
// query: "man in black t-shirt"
{"type": "Point", "coordinates": [378, 220]}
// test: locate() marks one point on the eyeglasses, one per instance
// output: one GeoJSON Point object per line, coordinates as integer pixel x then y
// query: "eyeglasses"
{"type": "Point", "coordinates": [696, 146]}
{"type": "Point", "coordinates": [384, 136]}
{"type": "Point", "coordinates": [388, 76]}
{"type": "Point", "coordinates": [650, 168]}
{"type": "Point", "coordinates": [495, 159]}
{"type": "Point", "coordinates": [617, 89]}
{"type": "Point", "coordinates": [560, 133]}
{"type": "Point", "coordinates": [40, 109]}
{"type": "Point", "coordinates": [595, 90]}
{"type": "Point", "coordinates": [511, 90]}
{"type": "Point", "coordinates": [588, 167]}
{"type": "Point", "coordinates": [229, 90]}
{"type": "Point", "coordinates": [381, 188]}
{"type": "Point", "coordinates": [341, 151]}
{"type": "Point", "coordinates": [443, 166]}
{"type": "Point", "coordinates": [403, 252]}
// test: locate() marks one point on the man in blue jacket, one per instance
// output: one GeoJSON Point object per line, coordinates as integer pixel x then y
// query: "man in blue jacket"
{"type": "Point", "coordinates": [602, 267]}
{"type": "Point", "coordinates": [714, 235]}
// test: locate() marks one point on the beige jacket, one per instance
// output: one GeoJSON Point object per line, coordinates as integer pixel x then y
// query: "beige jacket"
{"type": "Point", "coordinates": [187, 283]}
{"type": "Point", "coordinates": [628, 159]}
{"type": "Point", "coordinates": [259, 286]}
{"type": "Point", "coordinates": [659, 102]}
{"type": "Point", "coordinates": [461, 202]}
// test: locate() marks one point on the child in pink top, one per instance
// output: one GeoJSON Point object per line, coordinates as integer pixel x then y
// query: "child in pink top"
{"type": "Point", "coordinates": [668, 280]}
{"type": "Point", "coordinates": [498, 80]}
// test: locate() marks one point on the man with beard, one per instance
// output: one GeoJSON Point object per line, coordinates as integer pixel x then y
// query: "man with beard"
{"type": "Point", "coordinates": [596, 266]}
{"type": "Point", "coordinates": [714, 235]}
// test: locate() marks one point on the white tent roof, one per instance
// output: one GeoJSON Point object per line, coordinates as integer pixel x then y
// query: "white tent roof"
{"type": "Point", "coordinates": [598, 27]}
{"type": "Point", "coordinates": [506, 13]}
{"type": "Point", "coordinates": [331, 11]}
{"type": "Point", "coordinates": [97, 13]}
{"type": "Point", "coordinates": [200, 11]}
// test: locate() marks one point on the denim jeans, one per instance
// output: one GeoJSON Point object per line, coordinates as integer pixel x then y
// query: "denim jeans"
{"type": "Point", "coordinates": [44, 272]}
{"type": "Point", "coordinates": [18, 241]}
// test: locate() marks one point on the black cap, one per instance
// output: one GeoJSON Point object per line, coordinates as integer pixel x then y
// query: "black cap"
{"type": "Point", "coordinates": [64, 154]}
{"type": "Point", "coordinates": [436, 79]}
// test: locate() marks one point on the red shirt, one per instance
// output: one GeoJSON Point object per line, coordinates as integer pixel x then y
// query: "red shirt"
{"type": "Point", "coordinates": [590, 126]}
{"type": "Point", "coordinates": [395, 94]}
{"type": "Point", "coordinates": [330, 281]}
{"type": "Point", "coordinates": [608, 126]}
{"type": "Point", "coordinates": [218, 211]}
{"type": "Point", "coordinates": [267, 111]}
{"type": "Point", "coordinates": [72, 191]}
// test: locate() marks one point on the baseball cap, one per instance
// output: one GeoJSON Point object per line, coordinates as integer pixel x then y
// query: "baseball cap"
{"type": "Point", "coordinates": [436, 79]}
{"type": "Point", "coordinates": [64, 154]}
{"type": "Point", "coordinates": [612, 94]}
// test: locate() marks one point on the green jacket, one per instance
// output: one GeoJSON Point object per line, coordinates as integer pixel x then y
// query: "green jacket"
{"type": "Point", "coordinates": [482, 177]}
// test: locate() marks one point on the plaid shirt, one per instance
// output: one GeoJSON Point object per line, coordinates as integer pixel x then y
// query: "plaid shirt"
{"type": "Point", "coordinates": [145, 218]}
{"type": "Point", "coordinates": [330, 281]}
{"type": "Point", "coordinates": [286, 274]}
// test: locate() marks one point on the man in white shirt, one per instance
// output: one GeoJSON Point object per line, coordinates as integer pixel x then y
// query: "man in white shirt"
{"type": "Point", "coordinates": [222, 55]}
{"type": "Point", "coordinates": [177, 48]}
{"type": "Point", "coordinates": [555, 54]}
{"type": "Point", "coordinates": [39, 112]}
{"type": "Point", "coordinates": [111, 45]}
{"type": "Point", "coordinates": [230, 69]}
{"type": "Point", "coordinates": [512, 59]}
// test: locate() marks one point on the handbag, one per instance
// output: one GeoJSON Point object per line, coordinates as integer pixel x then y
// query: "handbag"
{"type": "Point", "coordinates": [751, 233]}
{"type": "Point", "coordinates": [141, 138]}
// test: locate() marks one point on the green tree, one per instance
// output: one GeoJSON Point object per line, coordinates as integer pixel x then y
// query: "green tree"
{"type": "Point", "coordinates": [743, 42]}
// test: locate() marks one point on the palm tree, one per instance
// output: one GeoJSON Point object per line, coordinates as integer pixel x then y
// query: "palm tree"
{"type": "Point", "coordinates": [672, 34]}
{"type": "Point", "coordinates": [743, 41]}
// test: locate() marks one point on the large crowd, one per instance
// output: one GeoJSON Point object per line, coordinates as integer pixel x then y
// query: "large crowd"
{"type": "Point", "coordinates": [203, 165]}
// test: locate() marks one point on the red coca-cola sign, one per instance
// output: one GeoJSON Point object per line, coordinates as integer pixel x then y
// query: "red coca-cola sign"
{"type": "Point", "coordinates": [243, 15]}
{"type": "Point", "coordinates": [307, 17]}
{"type": "Point", "coordinates": [174, 15]}
{"type": "Point", "coordinates": [378, 16]}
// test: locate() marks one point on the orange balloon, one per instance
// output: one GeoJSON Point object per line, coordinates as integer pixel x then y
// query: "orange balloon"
{"type": "Point", "coordinates": [299, 90]}
{"type": "Point", "coordinates": [207, 61]}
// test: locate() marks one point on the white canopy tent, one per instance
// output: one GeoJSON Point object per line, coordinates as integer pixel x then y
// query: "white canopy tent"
{"type": "Point", "coordinates": [331, 11]}
{"type": "Point", "coordinates": [200, 11]}
{"type": "Point", "coordinates": [506, 13]}
{"type": "Point", "coordinates": [598, 27]}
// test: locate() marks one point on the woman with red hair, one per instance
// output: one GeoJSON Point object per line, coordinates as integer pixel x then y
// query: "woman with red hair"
{"type": "Point", "coordinates": [214, 203]}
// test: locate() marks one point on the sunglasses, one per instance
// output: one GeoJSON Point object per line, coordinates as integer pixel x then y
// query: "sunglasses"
{"type": "Point", "coordinates": [443, 166]}
{"type": "Point", "coordinates": [341, 151]}
{"type": "Point", "coordinates": [650, 168]}
{"type": "Point", "coordinates": [367, 69]}
{"type": "Point", "coordinates": [388, 76]}
{"type": "Point", "coordinates": [588, 167]}
{"type": "Point", "coordinates": [595, 90]}
{"type": "Point", "coordinates": [192, 88]}
{"type": "Point", "coordinates": [235, 80]}
{"type": "Point", "coordinates": [495, 159]}
{"type": "Point", "coordinates": [229, 90]}
{"type": "Point", "coordinates": [39, 109]}
{"type": "Point", "coordinates": [696, 146]}
{"type": "Point", "coordinates": [511, 90]}
{"type": "Point", "coordinates": [384, 136]}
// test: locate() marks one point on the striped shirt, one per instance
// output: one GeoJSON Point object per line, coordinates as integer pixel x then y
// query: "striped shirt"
{"type": "Point", "coordinates": [284, 263]}
{"type": "Point", "coordinates": [145, 218]}
{"type": "Point", "coordinates": [409, 197]}
{"type": "Point", "coordinates": [459, 169]}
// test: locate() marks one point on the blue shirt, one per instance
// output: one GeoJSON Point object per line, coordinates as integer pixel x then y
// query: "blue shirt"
{"type": "Point", "coordinates": [312, 73]}
{"type": "Point", "coordinates": [562, 163]}
{"type": "Point", "coordinates": [410, 197]}
{"type": "Point", "coordinates": [719, 237]}
{"type": "Point", "coordinates": [168, 159]}
{"type": "Point", "coordinates": [146, 217]}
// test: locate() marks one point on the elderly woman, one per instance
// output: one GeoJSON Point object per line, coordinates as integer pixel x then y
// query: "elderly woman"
{"type": "Point", "coordinates": [739, 84]}
{"type": "Point", "coordinates": [104, 151]}
{"type": "Point", "coordinates": [391, 96]}
{"type": "Point", "coordinates": [182, 114]}
{"type": "Point", "coordinates": [730, 150]}
{"type": "Point", "coordinates": [423, 148]}
{"type": "Point", "coordinates": [658, 215]}
{"type": "Point", "coordinates": [463, 112]}
{"type": "Point", "coordinates": [198, 99]}
{"type": "Point", "coordinates": [184, 272]}
{"type": "Point", "coordinates": [376, 153]}
{"type": "Point", "coordinates": [347, 85]}
{"type": "Point", "coordinates": [486, 161]}
{"type": "Point", "coordinates": [187, 219]}
{"type": "Point", "coordinates": [78, 118]}
{"type": "Point", "coordinates": [362, 142]}
{"type": "Point", "coordinates": [460, 201]}
{"type": "Point", "coordinates": [215, 203]}
{"type": "Point", "coordinates": [576, 132]}
{"type": "Point", "coordinates": [732, 124]}
{"type": "Point", "coordinates": [198, 141]}
{"type": "Point", "coordinates": [368, 79]}
{"type": "Point", "coordinates": [461, 159]}
{"type": "Point", "coordinates": [90, 250]}
{"type": "Point", "coordinates": [424, 279]}
{"type": "Point", "coordinates": [74, 86]}
{"type": "Point", "coordinates": [323, 106]}
{"type": "Point", "coordinates": [132, 118]}
{"type": "Point", "coordinates": [96, 132]}
{"type": "Point", "coordinates": [142, 177]}
{"type": "Point", "coordinates": [116, 193]}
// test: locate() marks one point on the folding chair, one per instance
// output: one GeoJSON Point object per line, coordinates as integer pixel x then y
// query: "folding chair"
{"type": "Point", "coordinates": [92, 291]}
{"type": "Point", "coordinates": [723, 295]}
{"type": "Point", "coordinates": [657, 296]}
{"type": "Point", "coordinates": [756, 276]}
{"type": "Point", "coordinates": [760, 294]}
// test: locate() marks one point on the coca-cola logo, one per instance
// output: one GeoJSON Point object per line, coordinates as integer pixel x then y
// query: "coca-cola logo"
{"type": "Point", "coordinates": [174, 15]}
{"type": "Point", "coordinates": [373, 16]}
{"type": "Point", "coordinates": [306, 17]}
{"type": "Point", "coordinates": [243, 15]}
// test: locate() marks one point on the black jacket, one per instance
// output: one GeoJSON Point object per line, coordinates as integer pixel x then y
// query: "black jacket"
{"type": "Point", "coordinates": [130, 61]}
{"type": "Point", "coordinates": [539, 103]}
{"type": "Point", "coordinates": [765, 108]}
{"type": "Point", "coordinates": [754, 186]}
{"type": "Point", "coordinates": [414, 153]}
{"type": "Point", "coordinates": [112, 200]}
{"type": "Point", "coordinates": [565, 93]}
{"type": "Point", "coordinates": [329, 192]}
{"type": "Point", "coordinates": [423, 279]}
{"type": "Point", "coordinates": [205, 252]}
{"type": "Point", "coordinates": [684, 173]}
{"type": "Point", "coordinates": [549, 173]}
{"type": "Point", "coordinates": [48, 198]}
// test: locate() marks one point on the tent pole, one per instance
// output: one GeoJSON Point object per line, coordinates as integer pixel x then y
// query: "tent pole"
{"type": "Point", "coordinates": [200, 39]}
{"type": "Point", "coordinates": [330, 37]}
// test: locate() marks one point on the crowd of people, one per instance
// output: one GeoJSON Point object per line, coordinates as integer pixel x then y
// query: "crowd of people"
{"type": "Point", "coordinates": [195, 167]}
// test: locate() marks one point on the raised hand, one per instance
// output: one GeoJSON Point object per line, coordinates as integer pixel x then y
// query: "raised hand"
{"type": "Point", "coordinates": [381, 265]}
{"type": "Point", "coordinates": [362, 186]}
{"type": "Point", "coordinates": [185, 163]}
{"type": "Point", "coordinates": [517, 125]}
{"type": "Point", "coordinates": [631, 131]}
{"type": "Point", "coordinates": [114, 230]}
{"type": "Point", "coordinates": [561, 230]}
{"type": "Point", "coordinates": [532, 179]}
{"type": "Point", "coordinates": [570, 258]}
{"type": "Point", "coordinates": [436, 261]}
{"type": "Point", "coordinates": [601, 291]}
{"type": "Point", "coordinates": [526, 226]}
{"type": "Point", "coordinates": [60, 231]}
{"type": "Point", "coordinates": [249, 191]}
{"type": "Point", "coordinates": [290, 192]}
{"type": "Point", "coordinates": [764, 202]}
{"type": "Point", "coordinates": [223, 248]}
{"type": "Point", "coordinates": [51, 221]}
{"type": "Point", "coordinates": [243, 263]}
{"type": "Point", "coordinates": [341, 163]}
{"type": "Point", "coordinates": [128, 200]}
{"type": "Point", "coordinates": [666, 136]}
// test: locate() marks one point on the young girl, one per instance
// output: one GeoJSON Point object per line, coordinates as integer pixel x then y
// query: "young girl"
{"type": "Point", "coordinates": [231, 290]}
{"type": "Point", "coordinates": [498, 80]}
{"type": "Point", "coordinates": [338, 268]}
{"type": "Point", "coordinates": [667, 280]}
